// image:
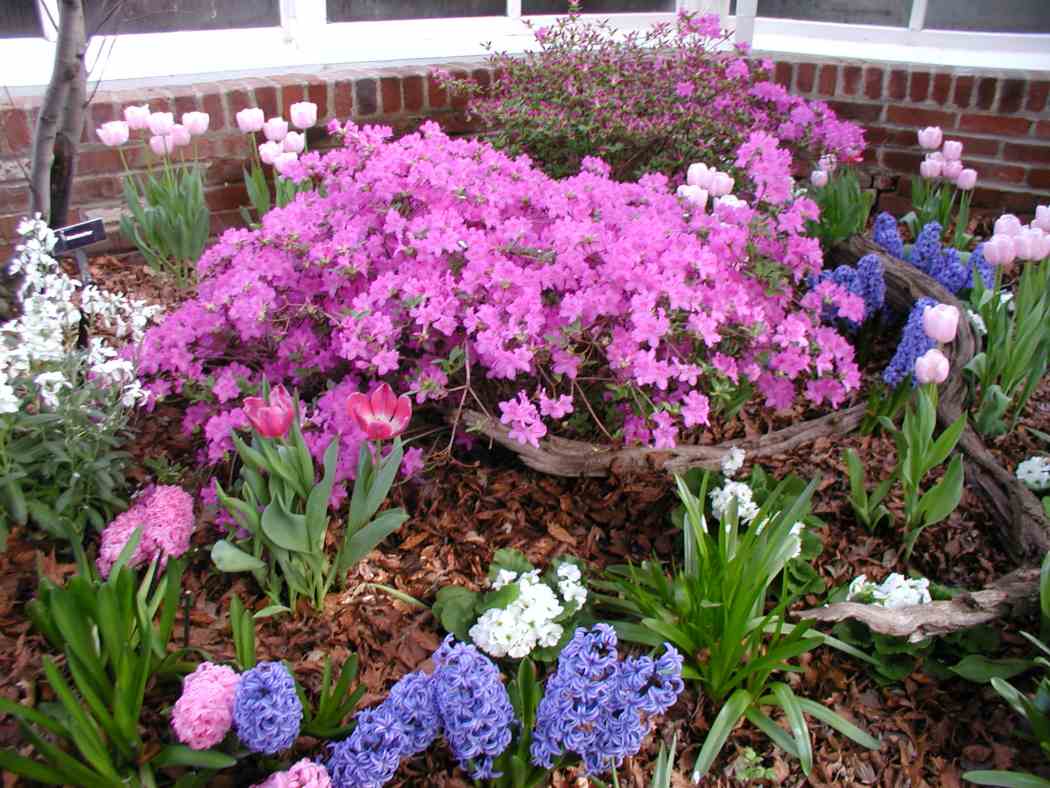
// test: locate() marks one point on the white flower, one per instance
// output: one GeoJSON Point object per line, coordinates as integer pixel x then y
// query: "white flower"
{"type": "Point", "coordinates": [504, 577]}
{"type": "Point", "coordinates": [796, 532]}
{"type": "Point", "coordinates": [732, 461]}
{"type": "Point", "coordinates": [569, 585]}
{"type": "Point", "coordinates": [525, 624]}
{"type": "Point", "coordinates": [977, 321]}
{"type": "Point", "coordinates": [746, 508]}
{"type": "Point", "coordinates": [9, 402]}
{"type": "Point", "coordinates": [859, 587]}
{"type": "Point", "coordinates": [1035, 473]}
{"type": "Point", "coordinates": [895, 591]}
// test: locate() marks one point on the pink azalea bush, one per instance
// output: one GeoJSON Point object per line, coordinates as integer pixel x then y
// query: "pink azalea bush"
{"type": "Point", "coordinates": [303, 774]}
{"type": "Point", "coordinates": [165, 514]}
{"type": "Point", "coordinates": [203, 714]}
{"type": "Point", "coordinates": [652, 101]}
{"type": "Point", "coordinates": [426, 256]}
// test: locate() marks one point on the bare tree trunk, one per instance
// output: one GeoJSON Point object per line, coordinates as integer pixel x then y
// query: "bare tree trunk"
{"type": "Point", "coordinates": [67, 142]}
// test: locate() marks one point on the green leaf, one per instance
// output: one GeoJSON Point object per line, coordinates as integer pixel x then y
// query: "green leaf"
{"type": "Point", "coordinates": [937, 503]}
{"type": "Point", "coordinates": [270, 610]}
{"type": "Point", "coordinates": [980, 669]}
{"type": "Point", "coordinates": [842, 725]}
{"type": "Point", "coordinates": [228, 558]}
{"type": "Point", "coordinates": [799, 730]}
{"type": "Point", "coordinates": [286, 530]}
{"type": "Point", "coordinates": [382, 480]}
{"type": "Point", "coordinates": [1006, 779]}
{"type": "Point", "coordinates": [317, 503]}
{"type": "Point", "coordinates": [26, 767]}
{"type": "Point", "coordinates": [181, 755]}
{"type": "Point", "coordinates": [365, 540]}
{"type": "Point", "coordinates": [456, 608]}
{"type": "Point", "coordinates": [733, 709]}
{"type": "Point", "coordinates": [510, 559]}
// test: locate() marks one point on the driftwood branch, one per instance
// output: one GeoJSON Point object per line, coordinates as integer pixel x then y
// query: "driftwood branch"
{"type": "Point", "coordinates": [917, 622]}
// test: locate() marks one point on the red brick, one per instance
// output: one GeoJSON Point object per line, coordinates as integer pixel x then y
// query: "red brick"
{"type": "Point", "coordinates": [14, 199]}
{"type": "Point", "coordinates": [894, 203]}
{"type": "Point", "coordinates": [920, 86]}
{"type": "Point", "coordinates": [873, 83]}
{"type": "Point", "coordinates": [238, 98]}
{"type": "Point", "coordinates": [101, 110]}
{"type": "Point", "coordinates": [437, 96]}
{"type": "Point", "coordinates": [1037, 94]}
{"type": "Point", "coordinates": [225, 198]}
{"type": "Point", "coordinates": [482, 77]}
{"type": "Point", "coordinates": [266, 97]}
{"type": "Point", "coordinates": [996, 171]}
{"type": "Point", "coordinates": [390, 89]}
{"type": "Point", "coordinates": [862, 113]}
{"type": "Point", "coordinates": [104, 160]}
{"type": "Point", "coordinates": [901, 161]}
{"type": "Point", "coordinates": [343, 99]}
{"type": "Point", "coordinates": [1042, 129]}
{"type": "Point", "coordinates": [898, 86]}
{"type": "Point", "coordinates": [829, 77]}
{"type": "Point", "coordinates": [292, 92]}
{"type": "Point", "coordinates": [781, 75]}
{"type": "Point", "coordinates": [16, 135]}
{"type": "Point", "coordinates": [805, 75]}
{"type": "Point", "coordinates": [366, 100]}
{"type": "Point", "coordinates": [986, 92]}
{"type": "Point", "coordinates": [1039, 179]}
{"type": "Point", "coordinates": [97, 189]}
{"type": "Point", "coordinates": [851, 80]}
{"type": "Point", "coordinates": [413, 90]}
{"type": "Point", "coordinates": [212, 103]}
{"type": "Point", "coordinates": [877, 135]}
{"type": "Point", "coordinates": [1031, 154]}
{"type": "Point", "coordinates": [963, 91]}
{"type": "Point", "coordinates": [185, 100]}
{"type": "Point", "coordinates": [1011, 96]}
{"type": "Point", "coordinates": [459, 100]}
{"type": "Point", "coordinates": [1020, 202]}
{"type": "Point", "coordinates": [978, 146]}
{"type": "Point", "coordinates": [995, 124]}
{"type": "Point", "coordinates": [942, 85]}
{"type": "Point", "coordinates": [914, 118]}
{"type": "Point", "coordinates": [317, 92]}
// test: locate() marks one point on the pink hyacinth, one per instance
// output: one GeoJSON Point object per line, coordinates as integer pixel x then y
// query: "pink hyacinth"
{"type": "Point", "coordinates": [165, 514]}
{"type": "Point", "coordinates": [203, 714]}
{"type": "Point", "coordinates": [381, 415]}
{"type": "Point", "coordinates": [304, 774]}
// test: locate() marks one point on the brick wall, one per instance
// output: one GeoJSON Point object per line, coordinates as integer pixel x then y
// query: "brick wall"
{"type": "Point", "coordinates": [1002, 120]}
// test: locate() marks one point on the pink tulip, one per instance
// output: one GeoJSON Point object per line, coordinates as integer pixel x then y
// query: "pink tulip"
{"type": "Point", "coordinates": [951, 170]}
{"type": "Point", "coordinates": [721, 184]}
{"type": "Point", "coordinates": [952, 150]}
{"type": "Point", "coordinates": [930, 137]}
{"type": "Point", "coordinates": [693, 195]}
{"type": "Point", "coordinates": [940, 322]}
{"type": "Point", "coordinates": [161, 144]}
{"type": "Point", "coordinates": [250, 120]}
{"type": "Point", "coordinates": [269, 151]}
{"type": "Point", "coordinates": [1042, 246]}
{"type": "Point", "coordinates": [196, 122]}
{"type": "Point", "coordinates": [294, 142]}
{"type": "Point", "coordinates": [137, 118]}
{"type": "Point", "coordinates": [303, 114]}
{"type": "Point", "coordinates": [271, 419]}
{"type": "Point", "coordinates": [931, 168]}
{"type": "Point", "coordinates": [381, 415]}
{"type": "Point", "coordinates": [818, 178]}
{"type": "Point", "coordinates": [966, 180]}
{"type": "Point", "coordinates": [699, 175]}
{"type": "Point", "coordinates": [275, 129]}
{"type": "Point", "coordinates": [283, 162]}
{"type": "Point", "coordinates": [999, 250]}
{"type": "Point", "coordinates": [932, 367]}
{"type": "Point", "coordinates": [114, 133]}
{"type": "Point", "coordinates": [936, 156]}
{"type": "Point", "coordinates": [1007, 224]}
{"type": "Point", "coordinates": [828, 163]}
{"type": "Point", "coordinates": [1029, 243]}
{"type": "Point", "coordinates": [180, 135]}
{"type": "Point", "coordinates": [1042, 218]}
{"type": "Point", "coordinates": [160, 123]}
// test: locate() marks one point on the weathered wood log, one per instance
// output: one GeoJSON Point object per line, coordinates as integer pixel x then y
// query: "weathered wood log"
{"type": "Point", "coordinates": [917, 622]}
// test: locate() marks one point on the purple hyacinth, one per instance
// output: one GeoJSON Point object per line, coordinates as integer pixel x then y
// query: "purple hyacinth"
{"type": "Point", "coordinates": [599, 707]}
{"type": "Point", "coordinates": [981, 267]}
{"type": "Point", "coordinates": [926, 252]}
{"type": "Point", "coordinates": [266, 708]}
{"type": "Point", "coordinates": [885, 234]}
{"type": "Point", "coordinates": [913, 344]}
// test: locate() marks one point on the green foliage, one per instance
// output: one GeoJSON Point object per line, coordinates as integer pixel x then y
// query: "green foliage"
{"type": "Point", "coordinates": [868, 507]}
{"type": "Point", "coordinates": [844, 207]}
{"type": "Point", "coordinates": [516, 761]}
{"type": "Point", "coordinates": [1017, 347]}
{"type": "Point", "coordinates": [883, 403]}
{"type": "Point", "coordinates": [114, 636]}
{"type": "Point", "coordinates": [935, 202]}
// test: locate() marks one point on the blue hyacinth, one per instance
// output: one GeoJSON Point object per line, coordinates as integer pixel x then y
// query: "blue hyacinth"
{"type": "Point", "coordinates": [926, 252]}
{"type": "Point", "coordinates": [370, 757]}
{"type": "Point", "coordinates": [599, 707]}
{"type": "Point", "coordinates": [866, 280]}
{"type": "Point", "coordinates": [913, 344]}
{"type": "Point", "coordinates": [266, 708]}
{"type": "Point", "coordinates": [886, 235]}
{"type": "Point", "coordinates": [981, 267]}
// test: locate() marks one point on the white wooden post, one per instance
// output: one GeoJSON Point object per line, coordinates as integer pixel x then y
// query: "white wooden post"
{"type": "Point", "coordinates": [745, 20]}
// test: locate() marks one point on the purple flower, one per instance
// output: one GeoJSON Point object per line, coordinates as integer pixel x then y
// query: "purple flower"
{"type": "Point", "coordinates": [266, 708]}
{"type": "Point", "coordinates": [886, 234]}
{"type": "Point", "coordinates": [370, 756]}
{"type": "Point", "coordinates": [913, 343]}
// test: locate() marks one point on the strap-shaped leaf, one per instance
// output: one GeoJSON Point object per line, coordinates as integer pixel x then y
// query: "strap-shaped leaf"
{"type": "Point", "coordinates": [181, 755]}
{"type": "Point", "coordinates": [842, 725]}
{"type": "Point", "coordinates": [799, 730]}
{"type": "Point", "coordinates": [727, 718]}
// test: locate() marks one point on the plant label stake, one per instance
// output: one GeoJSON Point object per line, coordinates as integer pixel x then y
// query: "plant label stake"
{"type": "Point", "coordinates": [75, 238]}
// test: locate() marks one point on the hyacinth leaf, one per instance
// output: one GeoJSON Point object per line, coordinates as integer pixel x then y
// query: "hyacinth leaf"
{"type": "Point", "coordinates": [285, 529]}
{"type": "Point", "coordinates": [839, 723]}
{"type": "Point", "coordinates": [228, 558]}
{"type": "Point", "coordinates": [799, 730]}
{"type": "Point", "coordinates": [1006, 779]}
{"type": "Point", "coordinates": [732, 711]}
{"type": "Point", "coordinates": [26, 767]}
{"type": "Point", "coordinates": [775, 733]}
{"type": "Point", "coordinates": [81, 728]}
{"type": "Point", "coordinates": [181, 755]}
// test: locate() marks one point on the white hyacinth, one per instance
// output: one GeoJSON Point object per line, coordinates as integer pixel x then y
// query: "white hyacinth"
{"type": "Point", "coordinates": [1035, 473]}
{"type": "Point", "coordinates": [746, 508]}
{"type": "Point", "coordinates": [570, 585]}
{"type": "Point", "coordinates": [732, 461]}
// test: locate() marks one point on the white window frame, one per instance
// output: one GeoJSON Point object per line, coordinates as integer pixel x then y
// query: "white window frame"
{"type": "Point", "coordinates": [306, 42]}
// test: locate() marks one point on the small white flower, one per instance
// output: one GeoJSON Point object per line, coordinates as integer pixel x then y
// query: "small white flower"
{"type": "Point", "coordinates": [1035, 473]}
{"type": "Point", "coordinates": [746, 507]}
{"type": "Point", "coordinates": [895, 591]}
{"type": "Point", "coordinates": [732, 461]}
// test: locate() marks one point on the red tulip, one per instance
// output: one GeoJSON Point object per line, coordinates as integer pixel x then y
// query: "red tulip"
{"type": "Point", "coordinates": [381, 415]}
{"type": "Point", "coordinates": [271, 419]}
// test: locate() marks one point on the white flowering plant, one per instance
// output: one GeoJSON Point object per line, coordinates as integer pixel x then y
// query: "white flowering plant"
{"type": "Point", "coordinates": [1034, 472]}
{"type": "Point", "coordinates": [525, 613]}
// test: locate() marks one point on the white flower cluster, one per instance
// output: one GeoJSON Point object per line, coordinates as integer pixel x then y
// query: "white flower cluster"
{"type": "Point", "coordinates": [43, 336]}
{"type": "Point", "coordinates": [895, 591]}
{"type": "Point", "coordinates": [1035, 473]}
{"type": "Point", "coordinates": [977, 321]}
{"type": "Point", "coordinates": [528, 621]}
{"type": "Point", "coordinates": [796, 531]}
{"type": "Point", "coordinates": [732, 461]}
{"type": "Point", "coordinates": [746, 508]}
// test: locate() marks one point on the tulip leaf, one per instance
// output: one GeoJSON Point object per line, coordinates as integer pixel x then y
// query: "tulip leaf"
{"type": "Point", "coordinates": [366, 539]}
{"type": "Point", "coordinates": [317, 503]}
{"type": "Point", "coordinates": [284, 529]}
{"type": "Point", "coordinates": [228, 558]}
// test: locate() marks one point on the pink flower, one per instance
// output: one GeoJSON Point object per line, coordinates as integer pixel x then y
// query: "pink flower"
{"type": "Point", "coordinates": [137, 117]}
{"type": "Point", "coordinates": [271, 419]}
{"type": "Point", "coordinates": [1007, 224]}
{"type": "Point", "coordinates": [930, 137]}
{"type": "Point", "coordinates": [381, 415]}
{"type": "Point", "coordinates": [931, 367]}
{"type": "Point", "coordinates": [931, 168]}
{"type": "Point", "coordinates": [283, 162]}
{"type": "Point", "coordinates": [250, 120]}
{"type": "Point", "coordinates": [952, 169]}
{"type": "Point", "coordinates": [952, 150]}
{"type": "Point", "coordinates": [165, 515]}
{"type": "Point", "coordinates": [1042, 218]}
{"type": "Point", "coordinates": [1029, 244]}
{"type": "Point", "coordinates": [114, 133]}
{"type": "Point", "coordinates": [698, 174]}
{"type": "Point", "coordinates": [304, 774]}
{"type": "Point", "coordinates": [180, 135]}
{"type": "Point", "coordinates": [162, 145]}
{"type": "Point", "coordinates": [684, 89]}
{"type": "Point", "coordinates": [999, 250]}
{"type": "Point", "coordinates": [966, 179]}
{"type": "Point", "coordinates": [721, 184]}
{"type": "Point", "coordinates": [818, 178]}
{"type": "Point", "coordinates": [160, 123]}
{"type": "Point", "coordinates": [269, 151]}
{"type": "Point", "coordinates": [940, 322]}
{"type": "Point", "coordinates": [303, 114]}
{"type": "Point", "coordinates": [294, 142]}
{"type": "Point", "coordinates": [275, 129]}
{"type": "Point", "coordinates": [196, 122]}
{"type": "Point", "coordinates": [203, 714]}
{"type": "Point", "coordinates": [693, 195]}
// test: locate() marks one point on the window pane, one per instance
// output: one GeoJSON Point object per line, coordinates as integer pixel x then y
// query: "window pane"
{"type": "Point", "coordinates": [1002, 16]}
{"type": "Point", "coordinates": [18, 19]}
{"type": "Point", "coordinates": [165, 16]}
{"type": "Point", "coordinates": [596, 6]}
{"type": "Point", "coordinates": [365, 10]}
{"type": "Point", "coordinates": [894, 13]}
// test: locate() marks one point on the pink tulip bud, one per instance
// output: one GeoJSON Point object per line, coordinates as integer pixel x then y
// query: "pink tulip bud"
{"type": "Point", "coordinates": [952, 150]}
{"type": "Point", "coordinates": [930, 137]}
{"type": "Point", "coordinates": [941, 322]}
{"type": "Point", "coordinates": [828, 163]}
{"type": "Point", "coordinates": [294, 142]}
{"type": "Point", "coordinates": [999, 250]}
{"type": "Point", "coordinates": [694, 195]}
{"type": "Point", "coordinates": [931, 168]}
{"type": "Point", "coordinates": [196, 122]}
{"type": "Point", "coordinates": [303, 114]}
{"type": "Point", "coordinates": [113, 133]}
{"type": "Point", "coordinates": [1028, 244]}
{"type": "Point", "coordinates": [721, 184]}
{"type": "Point", "coordinates": [137, 117]}
{"type": "Point", "coordinates": [729, 201]}
{"type": "Point", "coordinates": [698, 174]}
{"type": "Point", "coordinates": [1042, 250]}
{"type": "Point", "coordinates": [818, 178]}
{"type": "Point", "coordinates": [270, 419]}
{"type": "Point", "coordinates": [967, 179]}
{"type": "Point", "coordinates": [180, 135]}
{"type": "Point", "coordinates": [250, 120]}
{"type": "Point", "coordinates": [952, 169]}
{"type": "Point", "coordinates": [932, 367]}
{"type": "Point", "coordinates": [283, 162]}
{"type": "Point", "coordinates": [381, 415]}
{"type": "Point", "coordinates": [1042, 218]}
{"type": "Point", "coordinates": [160, 123]}
{"type": "Point", "coordinates": [269, 151]}
{"type": "Point", "coordinates": [1007, 224]}
{"type": "Point", "coordinates": [275, 129]}
{"type": "Point", "coordinates": [161, 144]}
